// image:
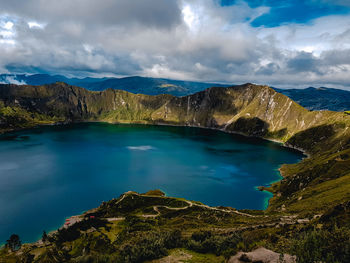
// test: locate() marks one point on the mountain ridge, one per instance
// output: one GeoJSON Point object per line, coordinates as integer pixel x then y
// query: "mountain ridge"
{"type": "Point", "coordinates": [311, 98]}
{"type": "Point", "coordinates": [134, 84]}
{"type": "Point", "coordinates": [214, 107]}
{"type": "Point", "coordinates": [321, 98]}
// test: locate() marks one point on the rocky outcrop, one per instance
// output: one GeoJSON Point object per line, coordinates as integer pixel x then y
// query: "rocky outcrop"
{"type": "Point", "coordinates": [261, 255]}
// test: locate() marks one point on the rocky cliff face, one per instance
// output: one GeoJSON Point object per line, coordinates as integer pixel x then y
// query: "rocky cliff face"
{"type": "Point", "coordinates": [248, 109]}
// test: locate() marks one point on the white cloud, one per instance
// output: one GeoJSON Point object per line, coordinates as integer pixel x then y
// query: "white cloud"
{"type": "Point", "coordinates": [8, 25]}
{"type": "Point", "coordinates": [192, 39]}
{"type": "Point", "coordinates": [7, 32]}
{"type": "Point", "coordinates": [189, 17]}
{"type": "Point", "coordinates": [12, 80]}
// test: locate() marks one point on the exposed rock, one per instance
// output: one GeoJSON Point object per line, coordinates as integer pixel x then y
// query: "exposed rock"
{"type": "Point", "coordinates": [303, 221]}
{"type": "Point", "coordinates": [178, 257]}
{"type": "Point", "coordinates": [262, 255]}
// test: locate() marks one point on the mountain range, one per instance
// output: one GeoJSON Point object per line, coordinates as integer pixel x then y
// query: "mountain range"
{"type": "Point", "coordinates": [319, 98]}
{"type": "Point", "coordinates": [135, 84]}
{"type": "Point", "coordinates": [311, 98]}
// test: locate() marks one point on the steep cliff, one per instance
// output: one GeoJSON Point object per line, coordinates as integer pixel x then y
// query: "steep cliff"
{"type": "Point", "coordinates": [248, 109]}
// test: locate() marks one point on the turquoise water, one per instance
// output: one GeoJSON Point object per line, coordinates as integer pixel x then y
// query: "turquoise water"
{"type": "Point", "coordinates": [50, 173]}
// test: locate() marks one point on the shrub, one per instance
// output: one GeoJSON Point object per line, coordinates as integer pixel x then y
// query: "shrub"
{"type": "Point", "coordinates": [147, 246]}
{"type": "Point", "coordinates": [14, 243]}
{"type": "Point", "coordinates": [207, 242]}
{"type": "Point", "coordinates": [322, 246]}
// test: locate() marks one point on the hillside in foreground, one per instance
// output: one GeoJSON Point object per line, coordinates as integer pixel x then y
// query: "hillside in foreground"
{"type": "Point", "coordinates": [154, 228]}
{"type": "Point", "coordinates": [307, 217]}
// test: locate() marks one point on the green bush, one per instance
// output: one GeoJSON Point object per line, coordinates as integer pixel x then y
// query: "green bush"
{"type": "Point", "coordinates": [207, 242]}
{"type": "Point", "coordinates": [323, 246]}
{"type": "Point", "coordinates": [148, 245]}
{"type": "Point", "coordinates": [14, 243]}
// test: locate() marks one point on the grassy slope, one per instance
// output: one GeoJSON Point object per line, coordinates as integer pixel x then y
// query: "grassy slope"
{"type": "Point", "coordinates": [312, 187]}
{"type": "Point", "coordinates": [221, 108]}
{"type": "Point", "coordinates": [137, 228]}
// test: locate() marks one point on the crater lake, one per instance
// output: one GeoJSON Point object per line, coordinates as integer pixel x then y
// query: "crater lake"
{"type": "Point", "coordinates": [50, 173]}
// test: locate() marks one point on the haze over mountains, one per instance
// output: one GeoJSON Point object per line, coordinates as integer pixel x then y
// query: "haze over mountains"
{"type": "Point", "coordinates": [311, 98]}
{"type": "Point", "coordinates": [319, 98]}
{"type": "Point", "coordinates": [134, 84]}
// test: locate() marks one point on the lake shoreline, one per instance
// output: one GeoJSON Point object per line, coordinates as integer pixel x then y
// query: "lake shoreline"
{"type": "Point", "coordinates": [268, 194]}
{"type": "Point", "coordinates": [283, 144]}
{"type": "Point", "coordinates": [145, 123]}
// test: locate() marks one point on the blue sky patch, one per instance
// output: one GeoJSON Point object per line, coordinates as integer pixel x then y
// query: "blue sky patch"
{"type": "Point", "coordinates": [291, 11]}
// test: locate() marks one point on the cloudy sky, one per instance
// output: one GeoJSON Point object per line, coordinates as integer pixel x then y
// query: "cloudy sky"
{"type": "Point", "coordinates": [283, 43]}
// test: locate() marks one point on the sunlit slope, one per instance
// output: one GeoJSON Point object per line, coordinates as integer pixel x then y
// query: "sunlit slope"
{"type": "Point", "coordinates": [249, 109]}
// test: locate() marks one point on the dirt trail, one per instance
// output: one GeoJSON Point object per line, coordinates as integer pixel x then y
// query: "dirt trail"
{"type": "Point", "coordinates": [283, 220]}
{"type": "Point", "coordinates": [75, 219]}
{"type": "Point", "coordinates": [190, 204]}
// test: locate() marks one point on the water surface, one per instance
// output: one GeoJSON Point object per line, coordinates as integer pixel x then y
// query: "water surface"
{"type": "Point", "coordinates": [50, 173]}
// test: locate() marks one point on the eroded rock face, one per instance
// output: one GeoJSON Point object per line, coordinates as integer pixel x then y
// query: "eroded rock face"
{"type": "Point", "coordinates": [251, 126]}
{"type": "Point", "coordinates": [262, 255]}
